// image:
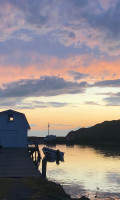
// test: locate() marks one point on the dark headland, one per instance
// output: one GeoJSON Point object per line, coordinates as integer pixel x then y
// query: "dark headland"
{"type": "Point", "coordinates": [107, 132]}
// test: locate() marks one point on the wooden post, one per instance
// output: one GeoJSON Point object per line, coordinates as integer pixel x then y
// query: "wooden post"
{"type": "Point", "coordinates": [44, 166]}
{"type": "Point", "coordinates": [35, 154]}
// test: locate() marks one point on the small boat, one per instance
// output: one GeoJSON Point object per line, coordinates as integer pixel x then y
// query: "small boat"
{"type": "Point", "coordinates": [50, 138]}
{"type": "Point", "coordinates": [53, 153]}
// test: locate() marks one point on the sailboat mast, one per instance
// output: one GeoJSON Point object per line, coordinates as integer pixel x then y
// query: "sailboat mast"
{"type": "Point", "coordinates": [48, 128]}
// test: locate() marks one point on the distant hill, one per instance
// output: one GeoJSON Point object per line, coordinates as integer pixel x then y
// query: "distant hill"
{"type": "Point", "coordinates": [105, 132]}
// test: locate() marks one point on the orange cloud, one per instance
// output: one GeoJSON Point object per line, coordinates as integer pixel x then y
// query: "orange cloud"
{"type": "Point", "coordinates": [52, 66]}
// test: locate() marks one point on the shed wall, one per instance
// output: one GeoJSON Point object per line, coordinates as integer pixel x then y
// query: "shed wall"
{"type": "Point", "coordinates": [15, 139]}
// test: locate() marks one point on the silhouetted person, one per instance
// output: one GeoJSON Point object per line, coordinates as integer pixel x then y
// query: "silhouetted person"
{"type": "Point", "coordinates": [57, 157]}
{"type": "Point", "coordinates": [58, 154]}
{"type": "Point", "coordinates": [57, 162]}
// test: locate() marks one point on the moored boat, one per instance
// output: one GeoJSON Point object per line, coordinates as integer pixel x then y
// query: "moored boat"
{"type": "Point", "coordinates": [53, 153]}
{"type": "Point", "coordinates": [50, 138]}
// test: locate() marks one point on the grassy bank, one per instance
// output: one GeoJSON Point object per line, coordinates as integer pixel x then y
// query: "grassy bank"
{"type": "Point", "coordinates": [44, 189]}
{"type": "Point", "coordinates": [31, 189]}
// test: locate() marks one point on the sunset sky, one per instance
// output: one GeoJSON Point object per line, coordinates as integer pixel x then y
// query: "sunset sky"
{"type": "Point", "coordinates": [60, 62]}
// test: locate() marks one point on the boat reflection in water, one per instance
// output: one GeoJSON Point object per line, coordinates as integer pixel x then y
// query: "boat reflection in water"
{"type": "Point", "coordinates": [51, 156]}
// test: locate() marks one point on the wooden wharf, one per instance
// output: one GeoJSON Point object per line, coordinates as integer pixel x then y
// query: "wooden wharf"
{"type": "Point", "coordinates": [17, 162]}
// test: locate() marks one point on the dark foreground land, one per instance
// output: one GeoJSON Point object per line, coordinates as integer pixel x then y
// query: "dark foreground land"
{"type": "Point", "coordinates": [32, 189]}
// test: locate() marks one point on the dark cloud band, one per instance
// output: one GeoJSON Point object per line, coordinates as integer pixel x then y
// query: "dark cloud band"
{"type": "Point", "coordinates": [45, 86]}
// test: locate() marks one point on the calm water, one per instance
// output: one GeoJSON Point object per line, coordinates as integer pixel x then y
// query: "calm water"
{"type": "Point", "coordinates": [86, 168]}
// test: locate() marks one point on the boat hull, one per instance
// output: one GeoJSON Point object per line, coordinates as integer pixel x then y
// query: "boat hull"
{"type": "Point", "coordinates": [53, 153]}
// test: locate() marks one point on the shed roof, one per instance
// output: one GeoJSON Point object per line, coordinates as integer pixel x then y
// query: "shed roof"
{"type": "Point", "coordinates": [12, 112]}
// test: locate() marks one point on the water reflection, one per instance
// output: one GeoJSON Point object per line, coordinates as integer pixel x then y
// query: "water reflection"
{"type": "Point", "coordinates": [108, 151]}
{"type": "Point", "coordinates": [86, 168]}
{"type": "Point", "coordinates": [37, 161]}
{"type": "Point", "coordinates": [47, 159]}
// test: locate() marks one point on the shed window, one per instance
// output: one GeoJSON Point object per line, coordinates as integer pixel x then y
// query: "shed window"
{"type": "Point", "coordinates": [10, 118]}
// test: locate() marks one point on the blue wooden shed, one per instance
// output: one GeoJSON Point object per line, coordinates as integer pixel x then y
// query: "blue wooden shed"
{"type": "Point", "coordinates": [13, 129]}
